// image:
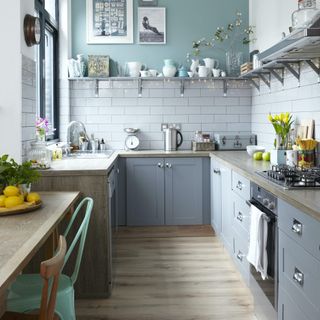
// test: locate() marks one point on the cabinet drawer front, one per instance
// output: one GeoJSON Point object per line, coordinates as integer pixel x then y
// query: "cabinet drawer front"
{"type": "Point", "coordinates": [299, 275]}
{"type": "Point", "coordinates": [241, 245]}
{"type": "Point", "coordinates": [241, 186]}
{"type": "Point", "coordinates": [288, 309]}
{"type": "Point", "coordinates": [241, 215]}
{"type": "Point", "coordinates": [300, 227]}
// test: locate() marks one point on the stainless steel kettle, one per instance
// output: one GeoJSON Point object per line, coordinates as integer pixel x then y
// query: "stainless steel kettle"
{"type": "Point", "coordinates": [171, 139]}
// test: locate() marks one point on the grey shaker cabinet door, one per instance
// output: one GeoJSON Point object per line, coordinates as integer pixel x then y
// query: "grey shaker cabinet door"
{"type": "Point", "coordinates": [183, 191]}
{"type": "Point", "coordinates": [145, 192]}
{"type": "Point", "coordinates": [216, 196]}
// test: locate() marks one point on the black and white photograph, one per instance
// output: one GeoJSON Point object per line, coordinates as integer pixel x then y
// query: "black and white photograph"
{"type": "Point", "coordinates": [152, 25]}
{"type": "Point", "coordinates": [109, 21]}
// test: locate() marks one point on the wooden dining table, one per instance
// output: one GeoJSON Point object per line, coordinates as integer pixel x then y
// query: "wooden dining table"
{"type": "Point", "coordinates": [21, 236]}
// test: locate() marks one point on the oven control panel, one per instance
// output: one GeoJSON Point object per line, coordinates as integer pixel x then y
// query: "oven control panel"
{"type": "Point", "coordinates": [264, 197]}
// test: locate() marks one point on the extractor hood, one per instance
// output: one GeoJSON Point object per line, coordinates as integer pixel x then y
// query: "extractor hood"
{"type": "Point", "coordinates": [302, 43]}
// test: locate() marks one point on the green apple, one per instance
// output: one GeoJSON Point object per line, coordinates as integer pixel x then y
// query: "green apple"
{"type": "Point", "coordinates": [266, 156]}
{"type": "Point", "coordinates": [257, 156]}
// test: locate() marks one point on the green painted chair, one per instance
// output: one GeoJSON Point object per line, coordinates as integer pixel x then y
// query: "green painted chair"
{"type": "Point", "coordinates": [25, 293]}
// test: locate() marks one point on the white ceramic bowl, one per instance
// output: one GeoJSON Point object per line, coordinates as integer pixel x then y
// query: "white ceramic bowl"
{"type": "Point", "coordinates": [253, 149]}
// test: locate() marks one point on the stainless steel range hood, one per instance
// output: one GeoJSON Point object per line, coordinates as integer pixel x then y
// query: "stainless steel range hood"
{"type": "Point", "coordinates": [301, 44]}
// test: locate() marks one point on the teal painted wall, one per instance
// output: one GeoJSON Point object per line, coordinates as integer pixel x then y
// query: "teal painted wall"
{"type": "Point", "coordinates": [187, 20]}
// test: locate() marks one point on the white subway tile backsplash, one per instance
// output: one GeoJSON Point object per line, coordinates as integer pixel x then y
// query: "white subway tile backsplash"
{"type": "Point", "coordinates": [203, 107]}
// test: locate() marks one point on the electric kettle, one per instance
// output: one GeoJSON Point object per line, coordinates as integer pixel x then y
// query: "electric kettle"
{"type": "Point", "coordinates": [171, 139]}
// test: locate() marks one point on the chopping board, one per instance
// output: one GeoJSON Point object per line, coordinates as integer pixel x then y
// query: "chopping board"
{"type": "Point", "coordinates": [302, 132]}
{"type": "Point", "coordinates": [309, 123]}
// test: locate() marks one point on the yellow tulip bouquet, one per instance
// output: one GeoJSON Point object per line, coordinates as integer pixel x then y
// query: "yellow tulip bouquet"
{"type": "Point", "coordinates": [282, 125]}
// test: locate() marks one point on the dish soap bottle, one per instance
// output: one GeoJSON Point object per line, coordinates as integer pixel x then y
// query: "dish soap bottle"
{"type": "Point", "coordinates": [301, 18]}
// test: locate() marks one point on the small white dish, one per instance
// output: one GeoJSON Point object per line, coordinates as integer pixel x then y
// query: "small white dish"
{"type": "Point", "coordinates": [253, 149]}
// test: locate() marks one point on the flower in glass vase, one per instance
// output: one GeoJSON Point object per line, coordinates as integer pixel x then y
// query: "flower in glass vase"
{"type": "Point", "coordinates": [43, 128]}
{"type": "Point", "coordinates": [282, 125]}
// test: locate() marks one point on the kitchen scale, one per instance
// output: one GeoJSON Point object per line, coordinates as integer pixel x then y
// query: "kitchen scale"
{"type": "Point", "coordinates": [131, 142]}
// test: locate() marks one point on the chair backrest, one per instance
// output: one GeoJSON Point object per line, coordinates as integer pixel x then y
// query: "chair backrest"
{"type": "Point", "coordinates": [51, 269]}
{"type": "Point", "coordinates": [80, 235]}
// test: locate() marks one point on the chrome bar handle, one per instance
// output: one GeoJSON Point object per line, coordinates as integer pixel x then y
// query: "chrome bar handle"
{"type": "Point", "coordinates": [239, 185]}
{"type": "Point", "coordinates": [296, 227]}
{"type": "Point", "coordinates": [160, 165]}
{"type": "Point", "coordinates": [298, 277]}
{"type": "Point", "coordinates": [168, 165]}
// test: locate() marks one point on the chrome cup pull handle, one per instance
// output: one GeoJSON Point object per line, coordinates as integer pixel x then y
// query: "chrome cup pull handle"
{"type": "Point", "coordinates": [298, 277]}
{"type": "Point", "coordinates": [240, 256]}
{"type": "Point", "coordinates": [296, 227]}
{"type": "Point", "coordinates": [239, 185]}
{"type": "Point", "coordinates": [160, 165]}
{"type": "Point", "coordinates": [169, 165]}
{"type": "Point", "coordinates": [240, 216]}
{"type": "Point", "coordinates": [216, 171]}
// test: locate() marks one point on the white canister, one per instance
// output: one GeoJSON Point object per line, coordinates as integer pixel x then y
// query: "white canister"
{"type": "Point", "coordinates": [292, 158]}
{"type": "Point", "coordinates": [203, 71]}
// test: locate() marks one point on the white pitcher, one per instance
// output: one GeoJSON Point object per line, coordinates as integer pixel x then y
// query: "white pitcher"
{"type": "Point", "coordinates": [211, 64]}
{"type": "Point", "coordinates": [194, 66]}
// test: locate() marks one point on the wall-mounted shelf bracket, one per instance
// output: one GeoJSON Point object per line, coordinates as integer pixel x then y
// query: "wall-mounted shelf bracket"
{"type": "Point", "coordinates": [278, 73]}
{"type": "Point", "coordinates": [182, 88]}
{"type": "Point", "coordinates": [314, 67]}
{"type": "Point", "coordinates": [255, 82]}
{"type": "Point", "coordinates": [139, 87]}
{"type": "Point", "coordinates": [291, 69]}
{"type": "Point", "coordinates": [96, 89]}
{"type": "Point", "coordinates": [225, 87]}
{"type": "Point", "coordinates": [266, 78]}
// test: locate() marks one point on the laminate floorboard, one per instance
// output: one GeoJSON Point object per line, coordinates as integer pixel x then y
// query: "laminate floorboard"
{"type": "Point", "coordinates": [162, 274]}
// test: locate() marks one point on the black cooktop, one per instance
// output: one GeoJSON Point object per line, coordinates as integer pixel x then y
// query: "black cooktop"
{"type": "Point", "coordinates": [293, 177]}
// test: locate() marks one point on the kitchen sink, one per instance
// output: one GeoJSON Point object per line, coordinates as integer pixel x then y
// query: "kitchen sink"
{"type": "Point", "coordinates": [104, 154]}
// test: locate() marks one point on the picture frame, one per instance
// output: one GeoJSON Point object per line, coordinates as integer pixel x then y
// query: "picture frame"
{"type": "Point", "coordinates": [109, 21]}
{"type": "Point", "coordinates": [148, 3]}
{"type": "Point", "coordinates": [152, 25]}
{"type": "Point", "coordinates": [98, 66]}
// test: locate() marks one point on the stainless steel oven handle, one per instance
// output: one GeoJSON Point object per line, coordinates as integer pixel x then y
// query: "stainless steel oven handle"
{"type": "Point", "coordinates": [296, 227]}
{"type": "Point", "coordinates": [298, 277]}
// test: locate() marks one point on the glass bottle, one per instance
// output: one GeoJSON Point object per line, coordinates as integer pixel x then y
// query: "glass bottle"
{"type": "Point", "coordinates": [301, 18]}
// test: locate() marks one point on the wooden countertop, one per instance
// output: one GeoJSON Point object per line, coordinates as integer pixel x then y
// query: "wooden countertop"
{"type": "Point", "coordinates": [21, 236]}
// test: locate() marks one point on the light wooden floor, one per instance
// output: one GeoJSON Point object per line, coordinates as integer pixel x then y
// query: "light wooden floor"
{"type": "Point", "coordinates": [181, 274]}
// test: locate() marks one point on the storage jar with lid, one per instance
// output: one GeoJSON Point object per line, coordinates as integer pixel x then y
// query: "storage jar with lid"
{"type": "Point", "coordinates": [39, 155]}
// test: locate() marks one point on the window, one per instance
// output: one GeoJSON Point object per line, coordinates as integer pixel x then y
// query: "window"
{"type": "Point", "coordinates": [47, 64]}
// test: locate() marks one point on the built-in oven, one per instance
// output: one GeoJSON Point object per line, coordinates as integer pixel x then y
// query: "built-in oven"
{"type": "Point", "coordinates": [265, 291]}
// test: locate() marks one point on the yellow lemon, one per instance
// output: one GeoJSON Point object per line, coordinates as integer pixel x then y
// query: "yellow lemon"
{"type": "Point", "coordinates": [11, 191]}
{"type": "Point", "coordinates": [33, 197]}
{"type": "Point", "coordinates": [13, 201]}
{"type": "Point", "coordinates": [2, 198]}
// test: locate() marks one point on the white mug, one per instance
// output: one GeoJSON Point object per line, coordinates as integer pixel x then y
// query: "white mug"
{"type": "Point", "coordinates": [145, 73]}
{"type": "Point", "coordinates": [216, 72]}
{"type": "Point", "coordinates": [203, 71]}
{"type": "Point", "coordinates": [134, 68]}
{"type": "Point", "coordinates": [292, 158]}
{"type": "Point", "coordinates": [153, 72]}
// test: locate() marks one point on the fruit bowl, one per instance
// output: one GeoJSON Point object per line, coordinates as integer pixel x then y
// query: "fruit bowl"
{"type": "Point", "coordinates": [253, 149]}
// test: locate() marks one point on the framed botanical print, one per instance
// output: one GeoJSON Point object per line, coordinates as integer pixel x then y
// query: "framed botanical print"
{"type": "Point", "coordinates": [109, 21]}
{"type": "Point", "coordinates": [152, 25]}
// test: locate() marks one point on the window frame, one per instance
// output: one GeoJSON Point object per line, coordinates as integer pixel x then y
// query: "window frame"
{"type": "Point", "coordinates": [51, 24]}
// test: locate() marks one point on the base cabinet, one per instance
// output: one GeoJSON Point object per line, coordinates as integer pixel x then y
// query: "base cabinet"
{"type": "Point", "coordinates": [165, 191]}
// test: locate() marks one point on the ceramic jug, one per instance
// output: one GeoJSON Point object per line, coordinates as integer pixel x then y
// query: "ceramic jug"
{"type": "Point", "coordinates": [169, 69]}
{"type": "Point", "coordinates": [211, 64]}
{"type": "Point", "coordinates": [134, 68]}
{"type": "Point", "coordinates": [194, 66]}
{"type": "Point", "coordinates": [203, 71]}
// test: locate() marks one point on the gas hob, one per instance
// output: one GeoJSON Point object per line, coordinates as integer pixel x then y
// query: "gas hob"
{"type": "Point", "coordinates": [292, 177]}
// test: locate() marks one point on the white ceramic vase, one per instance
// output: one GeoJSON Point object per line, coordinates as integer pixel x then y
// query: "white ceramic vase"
{"type": "Point", "coordinates": [169, 71]}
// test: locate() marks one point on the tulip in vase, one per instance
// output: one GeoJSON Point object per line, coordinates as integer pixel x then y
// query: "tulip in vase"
{"type": "Point", "coordinates": [282, 125]}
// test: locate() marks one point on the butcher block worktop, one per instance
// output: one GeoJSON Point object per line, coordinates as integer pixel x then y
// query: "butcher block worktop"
{"type": "Point", "coordinates": [22, 235]}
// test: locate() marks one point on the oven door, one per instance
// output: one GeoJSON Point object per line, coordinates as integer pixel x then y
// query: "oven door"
{"type": "Point", "coordinates": [268, 288]}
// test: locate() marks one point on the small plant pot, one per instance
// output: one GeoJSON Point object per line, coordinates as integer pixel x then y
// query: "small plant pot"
{"type": "Point", "coordinates": [278, 157]}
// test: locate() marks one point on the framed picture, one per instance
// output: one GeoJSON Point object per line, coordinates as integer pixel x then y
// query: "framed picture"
{"type": "Point", "coordinates": [152, 25]}
{"type": "Point", "coordinates": [109, 21]}
{"type": "Point", "coordinates": [98, 66]}
{"type": "Point", "coordinates": [148, 3]}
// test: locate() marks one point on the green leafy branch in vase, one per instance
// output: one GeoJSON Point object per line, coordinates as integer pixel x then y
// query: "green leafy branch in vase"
{"type": "Point", "coordinates": [234, 33]}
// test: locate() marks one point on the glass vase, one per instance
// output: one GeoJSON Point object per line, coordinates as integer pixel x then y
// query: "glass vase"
{"type": "Point", "coordinates": [39, 155]}
{"type": "Point", "coordinates": [281, 143]}
{"type": "Point", "coordinates": [234, 59]}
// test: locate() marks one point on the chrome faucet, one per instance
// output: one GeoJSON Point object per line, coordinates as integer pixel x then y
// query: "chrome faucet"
{"type": "Point", "coordinates": [76, 134]}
